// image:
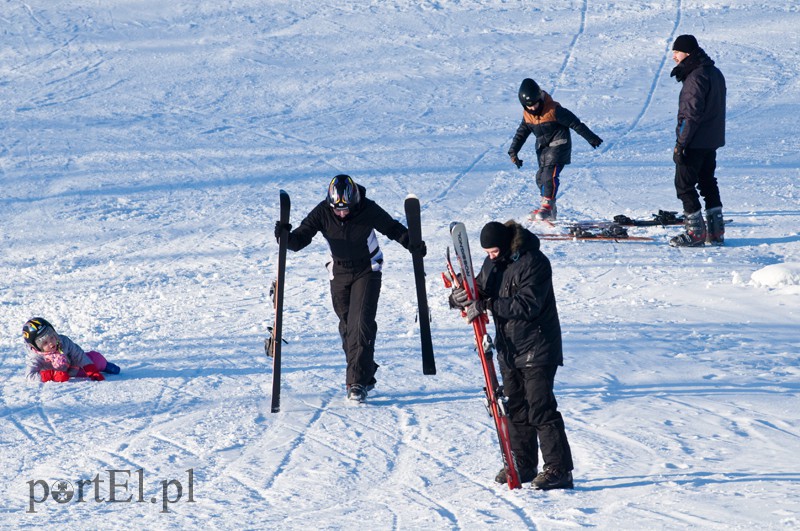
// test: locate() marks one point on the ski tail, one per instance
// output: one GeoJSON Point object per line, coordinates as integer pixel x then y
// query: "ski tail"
{"type": "Point", "coordinates": [277, 328]}
{"type": "Point", "coordinates": [413, 218]}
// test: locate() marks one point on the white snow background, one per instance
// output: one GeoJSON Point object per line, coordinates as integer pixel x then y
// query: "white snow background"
{"type": "Point", "coordinates": [142, 147]}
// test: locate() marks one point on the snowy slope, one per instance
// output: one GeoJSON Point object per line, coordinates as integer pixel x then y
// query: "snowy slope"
{"type": "Point", "coordinates": [142, 147]}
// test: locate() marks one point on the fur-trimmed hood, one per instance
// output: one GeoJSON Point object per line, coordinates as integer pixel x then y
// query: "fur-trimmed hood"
{"type": "Point", "coordinates": [522, 240]}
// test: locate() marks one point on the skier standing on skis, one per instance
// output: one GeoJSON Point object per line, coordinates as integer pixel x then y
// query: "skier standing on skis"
{"type": "Point", "coordinates": [52, 357]}
{"type": "Point", "coordinates": [515, 284]}
{"type": "Point", "coordinates": [699, 133]}
{"type": "Point", "coordinates": [347, 219]}
{"type": "Point", "coordinates": [550, 123]}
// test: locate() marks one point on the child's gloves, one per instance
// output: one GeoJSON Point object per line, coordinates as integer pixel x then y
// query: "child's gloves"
{"type": "Point", "coordinates": [92, 372]}
{"type": "Point", "coordinates": [46, 375]}
{"type": "Point", "coordinates": [60, 376]}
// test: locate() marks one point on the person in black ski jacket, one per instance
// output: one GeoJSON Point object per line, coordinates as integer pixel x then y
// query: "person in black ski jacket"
{"type": "Point", "coordinates": [550, 124]}
{"type": "Point", "coordinates": [699, 133]}
{"type": "Point", "coordinates": [348, 220]}
{"type": "Point", "coordinates": [515, 284]}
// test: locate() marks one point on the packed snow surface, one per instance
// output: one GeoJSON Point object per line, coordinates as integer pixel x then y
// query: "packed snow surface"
{"type": "Point", "coordinates": [142, 147]}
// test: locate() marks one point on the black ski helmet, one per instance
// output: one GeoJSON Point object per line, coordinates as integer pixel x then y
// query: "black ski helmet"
{"type": "Point", "coordinates": [35, 328]}
{"type": "Point", "coordinates": [343, 193]}
{"type": "Point", "coordinates": [529, 92]}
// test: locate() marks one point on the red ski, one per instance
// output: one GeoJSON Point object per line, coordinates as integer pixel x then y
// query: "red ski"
{"type": "Point", "coordinates": [495, 401]}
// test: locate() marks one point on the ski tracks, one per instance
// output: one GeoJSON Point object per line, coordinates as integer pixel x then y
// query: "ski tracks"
{"type": "Point", "coordinates": [359, 449]}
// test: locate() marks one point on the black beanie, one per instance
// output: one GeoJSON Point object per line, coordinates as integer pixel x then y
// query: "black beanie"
{"type": "Point", "coordinates": [495, 234]}
{"type": "Point", "coordinates": [685, 44]}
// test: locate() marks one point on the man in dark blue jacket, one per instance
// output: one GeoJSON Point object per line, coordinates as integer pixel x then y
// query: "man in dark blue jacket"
{"type": "Point", "coordinates": [699, 133]}
{"type": "Point", "coordinates": [516, 285]}
{"type": "Point", "coordinates": [348, 221]}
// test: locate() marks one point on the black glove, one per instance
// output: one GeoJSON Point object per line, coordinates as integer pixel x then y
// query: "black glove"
{"type": "Point", "coordinates": [679, 155]}
{"type": "Point", "coordinates": [279, 226]}
{"type": "Point", "coordinates": [595, 142]}
{"type": "Point", "coordinates": [476, 309]}
{"type": "Point", "coordinates": [517, 161]}
{"type": "Point", "coordinates": [458, 298]}
{"type": "Point", "coordinates": [420, 248]}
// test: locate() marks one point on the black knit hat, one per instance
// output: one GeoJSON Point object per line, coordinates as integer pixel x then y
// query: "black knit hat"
{"type": "Point", "coordinates": [685, 44]}
{"type": "Point", "coordinates": [495, 234]}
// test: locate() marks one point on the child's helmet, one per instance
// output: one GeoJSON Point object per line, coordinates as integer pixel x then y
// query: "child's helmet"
{"type": "Point", "coordinates": [343, 193]}
{"type": "Point", "coordinates": [34, 329]}
{"type": "Point", "coordinates": [529, 92]}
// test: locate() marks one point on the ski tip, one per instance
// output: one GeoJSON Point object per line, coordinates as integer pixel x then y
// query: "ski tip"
{"type": "Point", "coordinates": [453, 224]}
{"type": "Point", "coordinates": [412, 196]}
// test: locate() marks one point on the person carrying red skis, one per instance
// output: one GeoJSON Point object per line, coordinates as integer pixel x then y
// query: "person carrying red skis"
{"type": "Point", "coordinates": [515, 284]}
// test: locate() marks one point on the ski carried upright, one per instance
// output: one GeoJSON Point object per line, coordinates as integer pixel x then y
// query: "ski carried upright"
{"type": "Point", "coordinates": [276, 338]}
{"type": "Point", "coordinates": [495, 401]}
{"type": "Point", "coordinates": [413, 219]}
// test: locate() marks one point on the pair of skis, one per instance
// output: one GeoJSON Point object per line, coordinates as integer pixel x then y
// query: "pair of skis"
{"type": "Point", "coordinates": [495, 400]}
{"type": "Point", "coordinates": [273, 343]}
{"type": "Point", "coordinates": [617, 230]}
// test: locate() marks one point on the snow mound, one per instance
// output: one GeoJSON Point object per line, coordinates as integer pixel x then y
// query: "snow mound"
{"type": "Point", "coordinates": [777, 275]}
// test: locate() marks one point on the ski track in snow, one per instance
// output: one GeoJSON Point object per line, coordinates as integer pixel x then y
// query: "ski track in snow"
{"type": "Point", "coordinates": [146, 142]}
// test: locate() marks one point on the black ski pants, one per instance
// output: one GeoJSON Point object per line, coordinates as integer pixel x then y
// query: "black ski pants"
{"type": "Point", "coordinates": [697, 173]}
{"type": "Point", "coordinates": [533, 412]}
{"type": "Point", "coordinates": [355, 301]}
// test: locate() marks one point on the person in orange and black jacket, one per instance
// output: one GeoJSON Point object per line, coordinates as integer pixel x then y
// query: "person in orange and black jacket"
{"type": "Point", "coordinates": [550, 124]}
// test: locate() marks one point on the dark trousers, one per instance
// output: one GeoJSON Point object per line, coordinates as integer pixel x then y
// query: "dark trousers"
{"type": "Point", "coordinates": [547, 180]}
{"type": "Point", "coordinates": [533, 412]}
{"type": "Point", "coordinates": [697, 173]}
{"type": "Point", "coordinates": [355, 301]}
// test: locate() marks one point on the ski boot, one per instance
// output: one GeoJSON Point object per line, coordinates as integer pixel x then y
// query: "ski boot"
{"type": "Point", "coordinates": [715, 234]}
{"type": "Point", "coordinates": [356, 392]}
{"type": "Point", "coordinates": [546, 212]}
{"type": "Point", "coordinates": [695, 235]}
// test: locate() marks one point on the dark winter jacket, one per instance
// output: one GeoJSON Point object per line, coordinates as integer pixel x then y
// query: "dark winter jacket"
{"type": "Point", "coordinates": [352, 241]}
{"type": "Point", "coordinates": [551, 127]}
{"type": "Point", "coordinates": [701, 106]}
{"type": "Point", "coordinates": [523, 304]}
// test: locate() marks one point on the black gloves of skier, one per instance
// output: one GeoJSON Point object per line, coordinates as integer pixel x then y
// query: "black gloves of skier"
{"type": "Point", "coordinates": [517, 161]}
{"type": "Point", "coordinates": [458, 298]}
{"type": "Point", "coordinates": [595, 142]}
{"type": "Point", "coordinates": [420, 248]}
{"type": "Point", "coordinates": [475, 309]}
{"type": "Point", "coordinates": [679, 155]}
{"type": "Point", "coordinates": [279, 226]}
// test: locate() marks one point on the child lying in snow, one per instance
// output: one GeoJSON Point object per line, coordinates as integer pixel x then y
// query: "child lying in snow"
{"type": "Point", "coordinates": [53, 357]}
